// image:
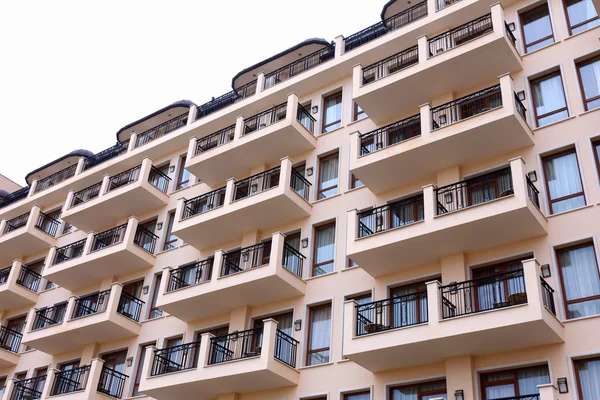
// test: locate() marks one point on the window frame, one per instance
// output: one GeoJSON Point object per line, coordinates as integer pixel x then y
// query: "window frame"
{"type": "Point", "coordinates": [309, 351]}
{"type": "Point", "coordinates": [577, 378]}
{"type": "Point", "coordinates": [356, 113]}
{"type": "Point", "coordinates": [181, 171]}
{"type": "Point", "coordinates": [532, 82]}
{"type": "Point", "coordinates": [568, 19]}
{"type": "Point", "coordinates": [315, 265]}
{"type": "Point", "coordinates": [596, 151]}
{"type": "Point", "coordinates": [550, 200]}
{"type": "Point", "coordinates": [514, 381]}
{"type": "Point", "coordinates": [155, 293]}
{"type": "Point", "coordinates": [139, 368]}
{"type": "Point", "coordinates": [169, 232]}
{"type": "Point", "coordinates": [353, 180]}
{"type": "Point", "coordinates": [337, 186]}
{"type": "Point", "coordinates": [325, 124]}
{"type": "Point", "coordinates": [346, 396]}
{"type": "Point", "coordinates": [525, 44]}
{"type": "Point", "coordinates": [420, 394]}
{"type": "Point", "coordinates": [578, 66]}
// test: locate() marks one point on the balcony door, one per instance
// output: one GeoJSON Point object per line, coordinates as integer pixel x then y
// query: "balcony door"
{"type": "Point", "coordinates": [499, 285]}
{"type": "Point", "coordinates": [291, 260]}
{"type": "Point", "coordinates": [221, 335]}
{"type": "Point", "coordinates": [112, 382]}
{"type": "Point", "coordinates": [518, 383]}
{"type": "Point", "coordinates": [489, 187]}
{"type": "Point", "coordinates": [146, 241]}
{"type": "Point", "coordinates": [9, 341]}
{"type": "Point", "coordinates": [408, 308]}
{"type": "Point", "coordinates": [129, 307]}
{"type": "Point", "coordinates": [284, 324]}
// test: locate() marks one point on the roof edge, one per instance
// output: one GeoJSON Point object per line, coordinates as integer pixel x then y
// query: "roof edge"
{"type": "Point", "coordinates": [74, 153]}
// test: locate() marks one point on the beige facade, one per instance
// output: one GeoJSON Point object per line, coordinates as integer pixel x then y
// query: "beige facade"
{"type": "Point", "coordinates": [410, 212]}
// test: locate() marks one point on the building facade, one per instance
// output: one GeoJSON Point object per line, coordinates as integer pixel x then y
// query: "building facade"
{"type": "Point", "coordinates": [409, 212]}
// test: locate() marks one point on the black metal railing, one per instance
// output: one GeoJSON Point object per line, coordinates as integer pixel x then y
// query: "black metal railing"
{"type": "Point", "coordinates": [49, 316]}
{"type": "Point", "coordinates": [459, 35]}
{"type": "Point", "coordinates": [218, 103]}
{"type": "Point", "coordinates": [390, 216]}
{"type": "Point", "coordinates": [16, 223]}
{"type": "Point", "coordinates": [203, 203]}
{"type": "Point", "coordinates": [235, 346]}
{"type": "Point", "coordinates": [112, 382]}
{"type": "Point", "coordinates": [91, 304]}
{"type": "Point", "coordinates": [47, 224]}
{"type": "Point", "coordinates": [176, 358]}
{"type": "Point", "coordinates": [130, 306]}
{"type": "Point", "coordinates": [69, 252]}
{"type": "Point", "coordinates": [124, 178]}
{"type": "Point", "coordinates": [108, 238]}
{"type": "Point", "coordinates": [256, 184]}
{"type": "Point", "coordinates": [510, 35]}
{"type": "Point", "coordinates": [105, 155]}
{"type": "Point", "coordinates": [483, 294]}
{"type": "Point", "coordinates": [4, 272]}
{"type": "Point", "coordinates": [300, 184]}
{"type": "Point", "coordinates": [396, 312]}
{"type": "Point", "coordinates": [69, 381]}
{"type": "Point", "coordinates": [466, 107]}
{"type": "Point", "coordinates": [10, 340]}
{"type": "Point", "coordinates": [441, 4]}
{"type": "Point", "coordinates": [265, 118]}
{"type": "Point", "coordinates": [159, 179]}
{"type": "Point", "coordinates": [246, 258]}
{"type": "Point", "coordinates": [474, 191]}
{"type": "Point", "coordinates": [520, 107]}
{"type": "Point", "coordinates": [299, 66]}
{"type": "Point", "coordinates": [29, 279]}
{"type": "Point", "coordinates": [522, 397]}
{"type": "Point", "coordinates": [145, 239]}
{"type": "Point", "coordinates": [293, 260]}
{"type": "Point", "coordinates": [533, 192]}
{"type": "Point", "coordinates": [547, 296]}
{"type": "Point", "coordinates": [214, 140]}
{"type": "Point", "coordinates": [190, 274]}
{"type": "Point", "coordinates": [390, 24]}
{"type": "Point", "coordinates": [87, 194]}
{"type": "Point", "coordinates": [305, 119]}
{"type": "Point", "coordinates": [55, 178]}
{"type": "Point", "coordinates": [14, 196]}
{"type": "Point", "coordinates": [390, 135]}
{"type": "Point", "coordinates": [286, 348]}
{"type": "Point", "coordinates": [28, 389]}
{"type": "Point", "coordinates": [161, 130]}
{"type": "Point", "coordinates": [390, 65]}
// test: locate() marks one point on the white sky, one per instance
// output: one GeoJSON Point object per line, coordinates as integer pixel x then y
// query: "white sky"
{"type": "Point", "coordinates": [72, 73]}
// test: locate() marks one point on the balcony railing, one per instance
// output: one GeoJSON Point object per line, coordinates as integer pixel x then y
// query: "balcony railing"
{"type": "Point", "coordinates": [305, 119]}
{"type": "Point", "coordinates": [69, 381]}
{"type": "Point", "coordinates": [235, 346]}
{"type": "Point", "coordinates": [246, 258]}
{"type": "Point", "coordinates": [510, 35]}
{"type": "Point", "coordinates": [14, 196]}
{"type": "Point", "coordinates": [459, 35]}
{"type": "Point", "coordinates": [124, 178]}
{"type": "Point", "coordinates": [265, 118]}
{"type": "Point", "coordinates": [55, 178]}
{"type": "Point", "coordinates": [4, 272]}
{"type": "Point", "coordinates": [216, 104]}
{"type": "Point", "coordinates": [293, 260]}
{"type": "Point", "coordinates": [523, 397]}
{"type": "Point", "coordinates": [108, 238]}
{"type": "Point", "coordinates": [49, 316]}
{"type": "Point", "coordinates": [299, 66]}
{"type": "Point", "coordinates": [159, 179]}
{"type": "Point", "coordinates": [215, 140]}
{"type": "Point", "coordinates": [145, 239]}
{"type": "Point", "coordinates": [520, 107]}
{"type": "Point", "coordinates": [91, 304]}
{"type": "Point", "coordinates": [28, 389]}
{"type": "Point", "coordinates": [286, 348]}
{"type": "Point", "coordinates": [390, 135]}
{"type": "Point", "coordinates": [533, 192]}
{"type": "Point", "coordinates": [190, 274]}
{"type": "Point", "coordinates": [396, 312]}
{"type": "Point", "coordinates": [390, 65]}
{"type": "Point", "coordinates": [393, 215]}
{"type": "Point", "coordinates": [256, 184]}
{"type": "Point", "coordinates": [483, 294]}
{"type": "Point", "coordinates": [474, 191]}
{"type": "Point", "coordinates": [161, 130]}
{"type": "Point", "coordinates": [130, 306]}
{"type": "Point", "coordinates": [105, 155]}
{"type": "Point", "coordinates": [16, 223]}
{"type": "Point", "coordinates": [203, 203]}
{"type": "Point", "coordinates": [390, 24]}
{"type": "Point", "coordinates": [300, 185]}
{"type": "Point", "coordinates": [87, 194]}
{"type": "Point", "coordinates": [29, 279]}
{"type": "Point", "coordinates": [47, 224]}
{"type": "Point", "coordinates": [466, 107]}
{"type": "Point", "coordinates": [548, 296]}
{"type": "Point", "coordinates": [10, 340]}
{"type": "Point", "coordinates": [175, 359]}
{"type": "Point", "coordinates": [69, 252]}
{"type": "Point", "coordinates": [112, 382]}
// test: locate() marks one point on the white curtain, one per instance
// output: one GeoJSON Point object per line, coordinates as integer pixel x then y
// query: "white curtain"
{"type": "Point", "coordinates": [329, 176]}
{"type": "Point", "coordinates": [320, 334]}
{"type": "Point", "coordinates": [581, 279]}
{"type": "Point", "coordinates": [530, 378]}
{"type": "Point", "coordinates": [291, 260]}
{"type": "Point", "coordinates": [590, 76]}
{"type": "Point", "coordinates": [333, 112]}
{"type": "Point", "coordinates": [365, 396]}
{"type": "Point", "coordinates": [548, 96]}
{"type": "Point", "coordinates": [405, 393]}
{"type": "Point", "coordinates": [536, 25]}
{"type": "Point", "coordinates": [325, 249]}
{"type": "Point", "coordinates": [589, 375]}
{"type": "Point", "coordinates": [563, 180]}
{"type": "Point", "coordinates": [579, 12]}
{"type": "Point", "coordinates": [405, 308]}
{"type": "Point", "coordinates": [499, 392]}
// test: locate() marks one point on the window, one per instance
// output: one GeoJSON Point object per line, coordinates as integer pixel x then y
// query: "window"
{"type": "Point", "coordinates": [319, 335]}
{"type": "Point", "coordinates": [324, 251]}
{"type": "Point", "coordinates": [589, 80]}
{"type": "Point", "coordinates": [549, 99]}
{"type": "Point", "coordinates": [366, 395]}
{"type": "Point", "coordinates": [328, 176]}
{"type": "Point", "coordinates": [581, 15]}
{"type": "Point", "coordinates": [358, 112]}
{"type": "Point", "coordinates": [351, 263]}
{"type": "Point", "coordinates": [419, 391]}
{"type": "Point", "coordinates": [170, 239]}
{"type": "Point", "coordinates": [596, 145]}
{"type": "Point", "coordinates": [588, 378]}
{"type": "Point", "coordinates": [140, 366]}
{"type": "Point", "coordinates": [154, 311]}
{"type": "Point", "coordinates": [332, 112]}
{"type": "Point", "coordinates": [355, 182]}
{"type": "Point", "coordinates": [360, 300]}
{"type": "Point", "coordinates": [516, 382]}
{"type": "Point", "coordinates": [536, 28]}
{"type": "Point", "coordinates": [409, 306]}
{"type": "Point", "coordinates": [67, 228]}
{"type": "Point", "coordinates": [184, 177]}
{"type": "Point", "coordinates": [580, 280]}
{"type": "Point", "coordinates": [563, 183]}
{"type": "Point", "coordinates": [2, 384]}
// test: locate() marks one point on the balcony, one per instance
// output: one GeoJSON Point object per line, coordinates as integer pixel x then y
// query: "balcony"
{"type": "Point", "coordinates": [241, 362]}
{"type": "Point", "coordinates": [272, 198]}
{"type": "Point", "coordinates": [454, 61]}
{"type": "Point", "coordinates": [486, 211]}
{"type": "Point", "coordinates": [27, 234]}
{"type": "Point", "coordinates": [18, 286]}
{"type": "Point", "coordinates": [25, 389]}
{"type": "Point", "coordinates": [468, 130]}
{"type": "Point", "coordinates": [503, 312]}
{"type": "Point", "coordinates": [119, 251]}
{"type": "Point", "coordinates": [100, 317]}
{"type": "Point", "coordinates": [135, 191]}
{"type": "Point", "coordinates": [10, 341]}
{"type": "Point", "coordinates": [283, 130]}
{"type": "Point", "coordinates": [264, 273]}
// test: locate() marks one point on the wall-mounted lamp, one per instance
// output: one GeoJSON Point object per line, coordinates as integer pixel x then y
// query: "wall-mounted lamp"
{"type": "Point", "coordinates": [245, 257]}
{"type": "Point", "coordinates": [172, 168]}
{"type": "Point", "coordinates": [145, 289]}
{"type": "Point", "coordinates": [532, 176]}
{"type": "Point", "coordinates": [512, 27]}
{"type": "Point", "coordinates": [304, 243]}
{"type": "Point", "coordinates": [459, 394]}
{"type": "Point", "coordinates": [546, 271]}
{"type": "Point", "coordinates": [521, 95]}
{"type": "Point", "coordinates": [159, 226]}
{"type": "Point", "coordinates": [315, 109]}
{"type": "Point", "coordinates": [309, 171]}
{"type": "Point", "coordinates": [562, 385]}
{"type": "Point", "coordinates": [297, 324]}
{"type": "Point", "coordinates": [129, 361]}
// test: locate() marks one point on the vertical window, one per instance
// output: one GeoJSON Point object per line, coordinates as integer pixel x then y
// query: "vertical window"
{"type": "Point", "coordinates": [588, 378]}
{"type": "Point", "coordinates": [596, 146]}
{"type": "Point", "coordinates": [563, 182]}
{"type": "Point", "coordinates": [366, 395]}
{"type": "Point", "coordinates": [154, 311]}
{"type": "Point", "coordinates": [319, 335]}
{"type": "Point", "coordinates": [332, 112]}
{"type": "Point", "coordinates": [581, 15]}
{"type": "Point", "coordinates": [589, 80]}
{"type": "Point", "coordinates": [324, 252]}
{"type": "Point", "coordinates": [351, 263]}
{"type": "Point", "coordinates": [518, 382]}
{"type": "Point", "coordinates": [580, 280]}
{"type": "Point", "coordinates": [537, 28]}
{"type": "Point", "coordinates": [170, 239]}
{"type": "Point", "coordinates": [409, 306]}
{"type": "Point", "coordinates": [67, 228]}
{"type": "Point", "coordinates": [419, 391]}
{"type": "Point", "coordinates": [355, 182]}
{"type": "Point", "coordinates": [328, 176]}
{"type": "Point", "coordinates": [549, 99]}
{"type": "Point", "coordinates": [2, 384]}
{"type": "Point", "coordinates": [358, 112]}
{"type": "Point", "coordinates": [183, 176]}
{"type": "Point", "coordinates": [138, 370]}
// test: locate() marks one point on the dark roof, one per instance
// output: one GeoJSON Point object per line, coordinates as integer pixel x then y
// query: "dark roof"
{"type": "Point", "coordinates": [307, 42]}
{"type": "Point", "coordinates": [180, 103]}
{"type": "Point", "coordinates": [74, 153]}
{"type": "Point", "coordinates": [385, 7]}
{"type": "Point", "coordinates": [3, 193]}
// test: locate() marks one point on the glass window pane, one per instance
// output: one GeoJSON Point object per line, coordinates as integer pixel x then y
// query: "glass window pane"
{"type": "Point", "coordinates": [548, 96]}
{"type": "Point", "coordinates": [590, 79]}
{"type": "Point", "coordinates": [581, 280]}
{"type": "Point", "coordinates": [530, 378]}
{"type": "Point", "coordinates": [324, 249]}
{"type": "Point", "coordinates": [580, 11]}
{"type": "Point", "coordinates": [332, 115]}
{"type": "Point", "coordinates": [499, 392]}
{"type": "Point", "coordinates": [589, 377]}
{"type": "Point", "coordinates": [405, 393]}
{"type": "Point", "coordinates": [537, 26]}
{"type": "Point", "coordinates": [563, 179]}
{"type": "Point", "coordinates": [328, 176]}
{"type": "Point", "coordinates": [320, 334]}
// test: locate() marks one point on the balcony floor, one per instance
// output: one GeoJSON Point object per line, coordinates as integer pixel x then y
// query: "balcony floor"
{"type": "Point", "coordinates": [8, 359]}
{"type": "Point", "coordinates": [16, 296]}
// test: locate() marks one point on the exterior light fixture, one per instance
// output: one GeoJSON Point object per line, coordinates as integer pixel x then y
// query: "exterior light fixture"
{"type": "Point", "coordinates": [309, 171]}
{"type": "Point", "coordinates": [315, 109]}
{"type": "Point", "coordinates": [521, 95]}
{"type": "Point", "coordinates": [532, 176]}
{"type": "Point", "coordinates": [459, 394]}
{"type": "Point", "coordinates": [512, 27]}
{"type": "Point", "coordinates": [297, 324]}
{"type": "Point", "coordinates": [304, 243]}
{"type": "Point", "coordinates": [172, 168]}
{"type": "Point", "coordinates": [129, 361]}
{"type": "Point", "coordinates": [546, 271]}
{"type": "Point", "coordinates": [562, 385]}
{"type": "Point", "coordinates": [145, 289]}
{"type": "Point", "coordinates": [159, 226]}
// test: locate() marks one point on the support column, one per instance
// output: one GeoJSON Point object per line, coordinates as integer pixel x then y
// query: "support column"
{"type": "Point", "coordinates": [357, 78]}
{"type": "Point", "coordinates": [192, 115]}
{"type": "Point", "coordinates": [423, 48]}
{"type": "Point", "coordinates": [459, 376]}
{"type": "Point", "coordinates": [425, 115]}
{"type": "Point", "coordinates": [239, 126]}
{"type": "Point", "coordinates": [429, 203]}
{"type": "Point", "coordinates": [453, 268]}
{"type": "Point", "coordinates": [238, 320]}
{"type": "Point", "coordinates": [448, 176]}
{"type": "Point", "coordinates": [340, 47]}
{"type": "Point", "coordinates": [260, 82]}
{"type": "Point", "coordinates": [132, 142]}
